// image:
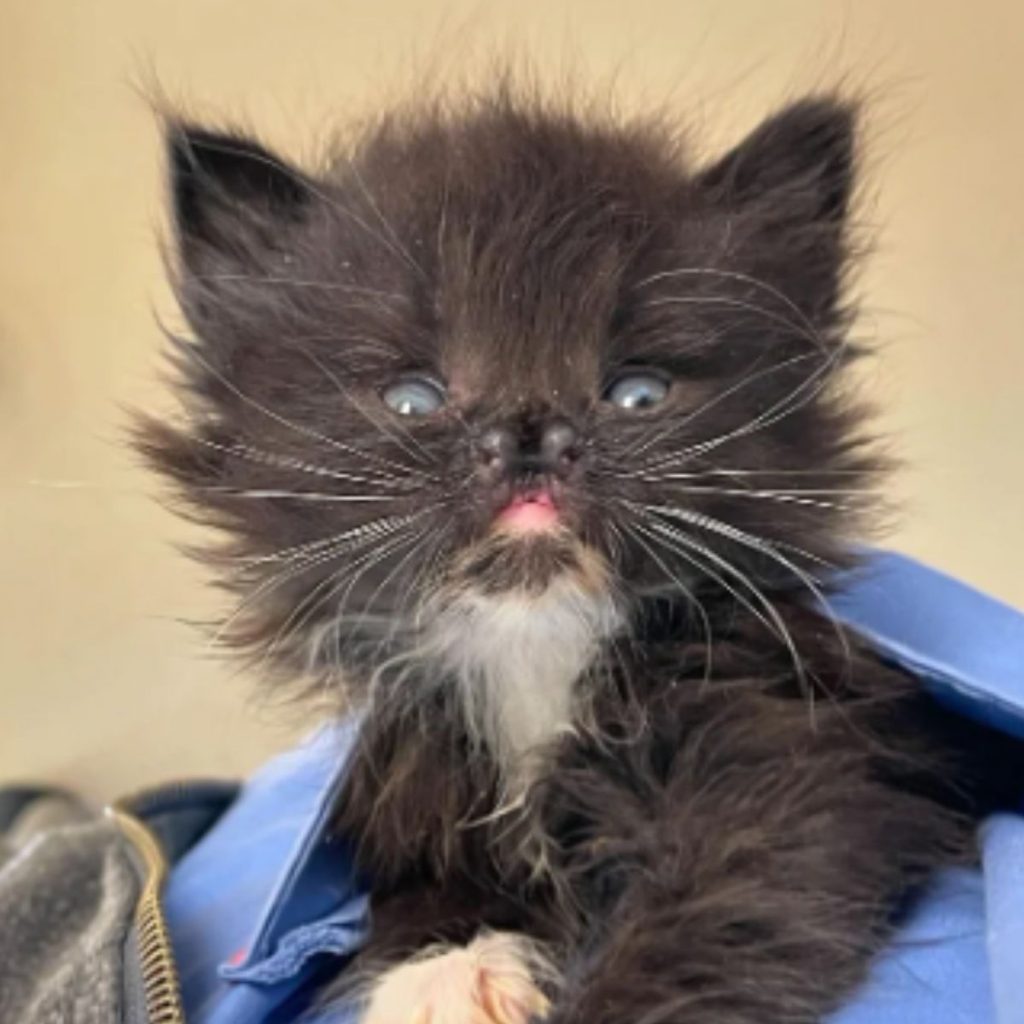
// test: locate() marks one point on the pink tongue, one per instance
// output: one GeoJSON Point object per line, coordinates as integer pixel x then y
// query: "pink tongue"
{"type": "Point", "coordinates": [536, 512]}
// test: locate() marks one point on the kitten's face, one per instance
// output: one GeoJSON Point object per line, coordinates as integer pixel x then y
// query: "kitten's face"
{"type": "Point", "coordinates": [493, 352]}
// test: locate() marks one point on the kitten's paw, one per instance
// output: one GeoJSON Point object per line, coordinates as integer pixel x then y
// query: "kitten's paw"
{"type": "Point", "coordinates": [490, 981]}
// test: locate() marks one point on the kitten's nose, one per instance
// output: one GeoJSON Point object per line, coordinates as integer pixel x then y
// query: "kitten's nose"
{"type": "Point", "coordinates": [499, 449]}
{"type": "Point", "coordinates": [559, 447]}
{"type": "Point", "coordinates": [554, 449]}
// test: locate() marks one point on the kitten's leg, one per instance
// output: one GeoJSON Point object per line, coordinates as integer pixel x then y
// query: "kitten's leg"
{"type": "Point", "coordinates": [493, 980]}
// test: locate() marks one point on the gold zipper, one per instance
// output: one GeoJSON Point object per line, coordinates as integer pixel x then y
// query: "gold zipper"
{"type": "Point", "coordinates": [159, 973]}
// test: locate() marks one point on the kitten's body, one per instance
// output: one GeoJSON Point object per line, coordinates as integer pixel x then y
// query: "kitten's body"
{"type": "Point", "coordinates": [707, 852]}
{"type": "Point", "coordinates": [579, 593]}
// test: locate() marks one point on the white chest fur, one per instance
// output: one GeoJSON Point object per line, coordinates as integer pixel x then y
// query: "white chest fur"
{"type": "Point", "coordinates": [516, 659]}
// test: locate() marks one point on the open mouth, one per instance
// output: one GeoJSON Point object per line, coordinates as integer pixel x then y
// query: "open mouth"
{"type": "Point", "coordinates": [532, 511]}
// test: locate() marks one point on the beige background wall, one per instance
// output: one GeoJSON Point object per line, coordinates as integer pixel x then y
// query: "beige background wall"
{"type": "Point", "coordinates": [101, 683]}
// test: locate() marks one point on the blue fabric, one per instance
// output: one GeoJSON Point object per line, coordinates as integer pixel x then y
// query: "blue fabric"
{"type": "Point", "coordinates": [969, 647]}
{"type": "Point", "coordinates": [267, 891]}
{"type": "Point", "coordinates": [267, 896]}
{"type": "Point", "coordinates": [959, 958]}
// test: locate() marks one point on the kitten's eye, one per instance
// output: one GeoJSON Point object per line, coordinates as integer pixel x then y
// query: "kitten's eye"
{"type": "Point", "coordinates": [414, 396]}
{"type": "Point", "coordinates": [639, 389]}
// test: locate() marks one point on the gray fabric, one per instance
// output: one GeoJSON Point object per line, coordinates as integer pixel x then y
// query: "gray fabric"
{"type": "Point", "coordinates": [66, 906]}
{"type": "Point", "coordinates": [43, 814]}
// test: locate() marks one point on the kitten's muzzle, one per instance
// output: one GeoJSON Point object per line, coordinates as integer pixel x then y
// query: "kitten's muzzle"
{"type": "Point", "coordinates": [553, 449]}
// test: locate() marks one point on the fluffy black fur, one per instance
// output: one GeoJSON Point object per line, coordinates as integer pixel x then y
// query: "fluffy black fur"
{"type": "Point", "coordinates": [747, 793]}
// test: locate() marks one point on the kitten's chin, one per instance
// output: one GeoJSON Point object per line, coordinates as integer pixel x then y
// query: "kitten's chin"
{"type": "Point", "coordinates": [530, 562]}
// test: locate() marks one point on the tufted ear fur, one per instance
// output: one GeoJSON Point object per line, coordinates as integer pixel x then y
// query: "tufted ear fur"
{"type": "Point", "coordinates": [799, 162]}
{"type": "Point", "coordinates": [228, 194]}
{"type": "Point", "coordinates": [784, 193]}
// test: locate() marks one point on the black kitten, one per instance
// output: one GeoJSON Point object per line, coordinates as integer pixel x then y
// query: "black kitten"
{"type": "Point", "coordinates": [527, 435]}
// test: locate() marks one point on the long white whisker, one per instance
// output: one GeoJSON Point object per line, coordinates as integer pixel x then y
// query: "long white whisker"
{"type": "Point", "coordinates": [346, 394]}
{"type": "Point", "coordinates": [816, 491]}
{"type": "Point", "coordinates": [732, 275]}
{"type": "Point", "coordinates": [270, 492]}
{"type": "Point", "coordinates": [400, 617]}
{"type": "Point", "coordinates": [335, 547]}
{"type": "Point", "coordinates": [733, 303]}
{"type": "Point", "coordinates": [716, 399]}
{"type": "Point", "coordinates": [290, 554]}
{"type": "Point", "coordinates": [770, 415]}
{"type": "Point", "coordinates": [309, 605]}
{"type": "Point", "coordinates": [773, 623]}
{"type": "Point", "coordinates": [259, 455]}
{"type": "Point", "coordinates": [728, 471]}
{"type": "Point", "coordinates": [691, 597]}
{"type": "Point", "coordinates": [765, 548]}
{"type": "Point", "coordinates": [300, 283]}
{"type": "Point", "coordinates": [397, 246]}
{"type": "Point", "coordinates": [194, 353]}
{"type": "Point", "coordinates": [808, 690]}
{"type": "Point", "coordinates": [793, 497]}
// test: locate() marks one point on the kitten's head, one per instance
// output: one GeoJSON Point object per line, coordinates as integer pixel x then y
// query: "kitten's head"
{"type": "Point", "coordinates": [506, 350]}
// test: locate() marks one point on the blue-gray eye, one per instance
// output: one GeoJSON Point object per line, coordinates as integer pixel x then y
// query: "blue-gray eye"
{"type": "Point", "coordinates": [637, 390]}
{"type": "Point", "coordinates": [414, 396]}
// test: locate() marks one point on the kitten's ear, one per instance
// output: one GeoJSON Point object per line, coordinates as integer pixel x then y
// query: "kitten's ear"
{"type": "Point", "coordinates": [797, 166]}
{"type": "Point", "coordinates": [227, 191]}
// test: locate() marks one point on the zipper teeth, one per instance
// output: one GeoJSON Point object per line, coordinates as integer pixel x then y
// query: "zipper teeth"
{"type": "Point", "coordinates": [159, 973]}
{"type": "Point", "coordinates": [156, 955]}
